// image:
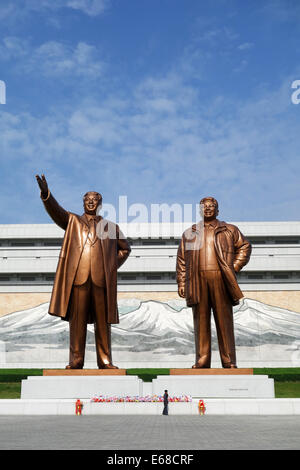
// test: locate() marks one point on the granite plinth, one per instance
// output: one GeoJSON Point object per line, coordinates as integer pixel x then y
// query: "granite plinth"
{"type": "Point", "coordinates": [198, 383]}
{"type": "Point", "coordinates": [79, 386]}
{"type": "Point", "coordinates": [215, 386]}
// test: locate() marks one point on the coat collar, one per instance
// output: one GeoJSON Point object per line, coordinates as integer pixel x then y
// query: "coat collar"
{"type": "Point", "coordinates": [84, 218]}
{"type": "Point", "coordinates": [219, 226]}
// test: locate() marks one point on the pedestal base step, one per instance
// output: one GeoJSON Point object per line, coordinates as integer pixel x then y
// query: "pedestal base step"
{"type": "Point", "coordinates": [211, 371]}
{"type": "Point", "coordinates": [276, 406]}
{"type": "Point", "coordinates": [83, 372]}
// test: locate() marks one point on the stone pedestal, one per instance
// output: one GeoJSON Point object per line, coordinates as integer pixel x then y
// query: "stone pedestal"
{"type": "Point", "coordinates": [80, 386]}
{"type": "Point", "coordinates": [198, 383]}
{"type": "Point", "coordinates": [215, 386]}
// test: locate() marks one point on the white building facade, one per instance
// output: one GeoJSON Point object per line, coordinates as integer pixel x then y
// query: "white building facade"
{"type": "Point", "coordinates": [29, 255]}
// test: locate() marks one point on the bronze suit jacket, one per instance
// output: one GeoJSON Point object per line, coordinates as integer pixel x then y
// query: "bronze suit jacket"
{"type": "Point", "coordinates": [91, 260]}
{"type": "Point", "coordinates": [115, 249]}
{"type": "Point", "coordinates": [233, 252]}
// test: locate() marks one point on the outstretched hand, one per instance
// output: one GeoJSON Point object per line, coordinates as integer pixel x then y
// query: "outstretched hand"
{"type": "Point", "coordinates": [42, 184]}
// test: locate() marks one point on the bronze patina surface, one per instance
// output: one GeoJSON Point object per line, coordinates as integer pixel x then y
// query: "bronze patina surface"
{"type": "Point", "coordinates": [210, 254]}
{"type": "Point", "coordinates": [85, 285]}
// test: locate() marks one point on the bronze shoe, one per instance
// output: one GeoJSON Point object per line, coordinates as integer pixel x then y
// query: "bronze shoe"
{"type": "Point", "coordinates": [74, 366]}
{"type": "Point", "coordinates": [198, 366]}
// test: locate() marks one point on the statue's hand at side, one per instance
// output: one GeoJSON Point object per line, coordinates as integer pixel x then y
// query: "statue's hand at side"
{"type": "Point", "coordinates": [43, 185]}
{"type": "Point", "coordinates": [181, 292]}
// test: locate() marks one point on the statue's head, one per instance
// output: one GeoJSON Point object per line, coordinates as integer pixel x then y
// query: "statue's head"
{"type": "Point", "coordinates": [92, 202]}
{"type": "Point", "coordinates": [209, 208]}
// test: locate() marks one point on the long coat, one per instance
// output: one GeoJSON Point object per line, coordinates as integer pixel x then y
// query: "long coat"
{"type": "Point", "coordinates": [115, 249]}
{"type": "Point", "coordinates": [233, 252]}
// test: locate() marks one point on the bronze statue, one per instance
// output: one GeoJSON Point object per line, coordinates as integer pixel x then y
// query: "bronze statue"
{"type": "Point", "coordinates": [85, 286]}
{"type": "Point", "coordinates": [209, 255]}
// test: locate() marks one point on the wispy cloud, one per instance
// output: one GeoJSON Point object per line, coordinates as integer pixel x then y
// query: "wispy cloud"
{"type": "Point", "coordinates": [12, 47]}
{"type": "Point", "coordinates": [20, 9]}
{"type": "Point", "coordinates": [217, 36]}
{"type": "Point", "coordinates": [159, 145]}
{"type": "Point", "coordinates": [281, 10]}
{"type": "Point", "coordinates": [170, 134]}
{"type": "Point", "coordinates": [90, 7]}
{"type": "Point", "coordinates": [246, 46]}
{"type": "Point", "coordinates": [53, 58]}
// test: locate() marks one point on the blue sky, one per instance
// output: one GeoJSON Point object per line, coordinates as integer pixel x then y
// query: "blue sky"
{"type": "Point", "coordinates": [164, 101]}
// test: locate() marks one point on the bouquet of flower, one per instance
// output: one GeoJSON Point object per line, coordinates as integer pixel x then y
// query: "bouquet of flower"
{"type": "Point", "coordinates": [138, 399]}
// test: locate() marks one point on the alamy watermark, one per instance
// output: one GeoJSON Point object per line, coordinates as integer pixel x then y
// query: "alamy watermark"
{"type": "Point", "coordinates": [295, 98]}
{"type": "Point", "coordinates": [2, 92]}
{"type": "Point", "coordinates": [152, 219]}
{"type": "Point", "coordinates": [140, 213]}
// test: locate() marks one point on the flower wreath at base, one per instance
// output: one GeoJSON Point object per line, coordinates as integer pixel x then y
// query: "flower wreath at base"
{"type": "Point", "coordinates": [138, 399]}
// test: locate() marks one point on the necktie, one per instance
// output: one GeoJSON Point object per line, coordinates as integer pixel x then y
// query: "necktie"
{"type": "Point", "coordinates": [92, 231]}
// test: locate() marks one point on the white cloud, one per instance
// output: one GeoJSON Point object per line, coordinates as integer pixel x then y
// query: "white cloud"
{"type": "Point", "coordinates": [281, 11]}
{"type": "Point", "coordinates": [214, 35]}
{"type": "Point", "coordinates": [156, 141]}
{"type": "Point", "coordinates": [53, 58]}
{"type": "Point", "coordinates": [56, 59]}
{"type": "Point", "coordinates": [90, 7]}
{"type": "Point", "coordinates": [245, 46]}
{"type": "Point", "coordinates": [13, 47]}
{"type": "Point", "coordinates": [158, 145]}
{"type": "Point", "coordinates": [19, 9]}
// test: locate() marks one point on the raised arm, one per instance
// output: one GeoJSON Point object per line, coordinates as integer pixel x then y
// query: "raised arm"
{"type": "Point", "coordinates": [59, 215]}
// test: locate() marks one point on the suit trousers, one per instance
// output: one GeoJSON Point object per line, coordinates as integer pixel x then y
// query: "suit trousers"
{"type": "Point", "coordinates": [213, 296]}
{"type": "Point", "coordinates": [83, 298]}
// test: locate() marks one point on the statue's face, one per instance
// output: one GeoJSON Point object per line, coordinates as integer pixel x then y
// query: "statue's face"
{"type": "Point", "coordinates": [209, 210]}
{"type": "Point", "coordinates": [91, 202]}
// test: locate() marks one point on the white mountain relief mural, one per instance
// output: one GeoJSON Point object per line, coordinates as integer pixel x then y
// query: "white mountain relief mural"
{"type": "Point", "coordinates": [158, 330]}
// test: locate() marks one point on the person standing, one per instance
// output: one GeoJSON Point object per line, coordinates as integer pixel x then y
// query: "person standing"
{"type": "Point", "coordinates": [166, 403]}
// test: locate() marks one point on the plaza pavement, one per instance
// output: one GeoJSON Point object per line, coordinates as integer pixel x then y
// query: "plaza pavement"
{"type": "Point", "coordinates": [105, 432]}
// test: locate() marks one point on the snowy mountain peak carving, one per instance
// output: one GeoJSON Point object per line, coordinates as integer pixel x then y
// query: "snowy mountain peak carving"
{"type": "Point", "coordinates": [145, 325]}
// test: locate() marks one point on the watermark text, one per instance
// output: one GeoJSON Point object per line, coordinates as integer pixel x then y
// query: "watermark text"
{"type": "Point", "coordinates": [296, 94]}
{"type": "Point", "coordinates": [2, 92]}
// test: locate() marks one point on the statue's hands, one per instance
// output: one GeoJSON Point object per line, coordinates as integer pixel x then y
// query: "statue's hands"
{"type": "Point", "coordinates": [43, 185]}
{"type": "Point", "coordinates": [181, 292]}
{"type": "Point", "coordinates": [236, 268]}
